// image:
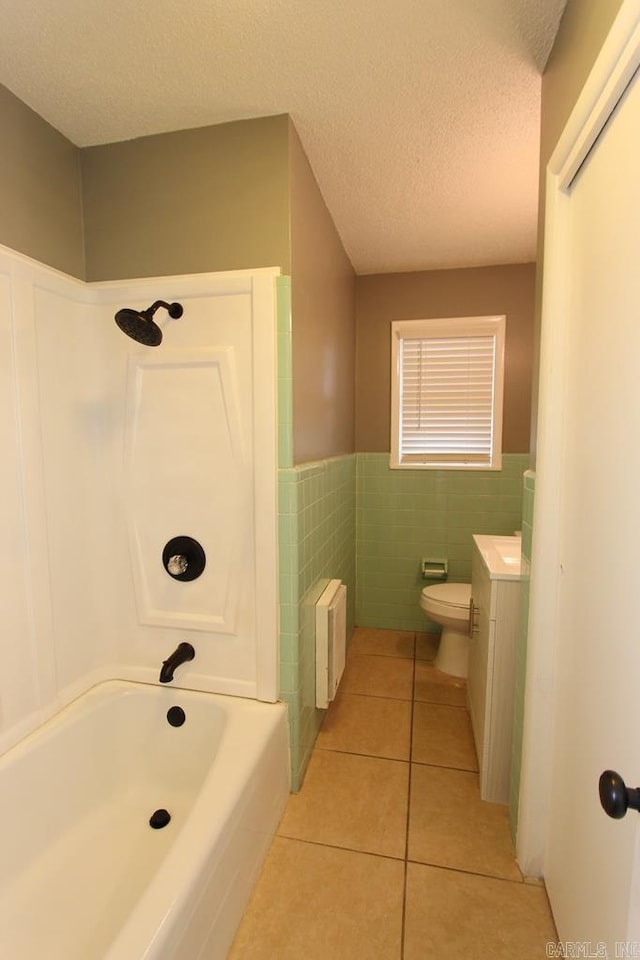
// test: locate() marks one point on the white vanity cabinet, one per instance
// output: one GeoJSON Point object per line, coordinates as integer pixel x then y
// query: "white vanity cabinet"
{"type": "Point", "coordinates": [495, 622]}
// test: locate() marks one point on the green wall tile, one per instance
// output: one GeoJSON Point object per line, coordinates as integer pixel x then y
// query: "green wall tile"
{"type": "Point", "coordinates": [317, 544]}
{"type": "Point", "coordinates": [407, 514]}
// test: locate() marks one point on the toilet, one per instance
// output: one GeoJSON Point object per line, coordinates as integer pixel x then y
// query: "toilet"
{"type": "Point", "coordinates": [448, 605]}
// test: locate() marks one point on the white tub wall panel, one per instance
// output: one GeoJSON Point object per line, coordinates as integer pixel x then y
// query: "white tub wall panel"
{"type": "Point", "coordinates": [81, 409]}
{"type": "Point", "coordinates": [265, 451]}
{"type": "Point", "coordinates": [67, 502]}
{"type": "Point", "coordinates": [18, 680]}
{"type": "Point", "coordinates": [201, 477]}
{"type": "Point", "coordinates": [35, 684]}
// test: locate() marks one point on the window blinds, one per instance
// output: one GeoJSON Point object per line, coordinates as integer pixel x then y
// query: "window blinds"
{"type": "Point", "coordinates": [447, 388]}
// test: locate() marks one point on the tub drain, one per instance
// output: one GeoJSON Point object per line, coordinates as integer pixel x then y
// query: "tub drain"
{"type": "Point", "coordinates": [159, 819]}
{"type": "Point", "coordinates": [176, 716]}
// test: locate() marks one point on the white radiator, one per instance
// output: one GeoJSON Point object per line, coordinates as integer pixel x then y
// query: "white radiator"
{"type": "Point", "coordinates": [331, 641]}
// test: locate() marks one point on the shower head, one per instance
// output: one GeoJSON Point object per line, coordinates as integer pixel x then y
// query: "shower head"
{"type": "Point", "coordinates": [140, 325]}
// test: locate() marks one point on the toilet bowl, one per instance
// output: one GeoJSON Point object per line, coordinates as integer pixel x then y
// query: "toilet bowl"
{"type": "Point", "coordinates": [448, 605]}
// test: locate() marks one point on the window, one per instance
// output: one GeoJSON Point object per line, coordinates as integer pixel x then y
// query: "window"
{"type": "Point", "coordinates": [446, 393]}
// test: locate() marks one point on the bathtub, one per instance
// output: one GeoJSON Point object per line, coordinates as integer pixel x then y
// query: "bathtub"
{"type": "Point", "coordinates": [83, 875]}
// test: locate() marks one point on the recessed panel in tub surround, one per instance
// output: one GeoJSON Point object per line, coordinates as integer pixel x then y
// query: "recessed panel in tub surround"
{"type": "Point", "coordinates": [189, 472]}
{"type": "Point", "coordinates": [199, 461]}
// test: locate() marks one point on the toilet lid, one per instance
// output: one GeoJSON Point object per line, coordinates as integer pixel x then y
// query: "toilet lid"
{"type": "Point", "coordinates": [451, 594]}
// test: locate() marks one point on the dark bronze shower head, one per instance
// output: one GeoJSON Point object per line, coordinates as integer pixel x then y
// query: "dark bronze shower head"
{"type": "Point", "coordinates": [140, 325]}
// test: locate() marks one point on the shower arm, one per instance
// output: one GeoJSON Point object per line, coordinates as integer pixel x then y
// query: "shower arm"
{"type": "Point", "coordinates": [149, 312]}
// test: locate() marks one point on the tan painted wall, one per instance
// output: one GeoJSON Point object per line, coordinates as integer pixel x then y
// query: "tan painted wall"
{"type": "Point", "coordinates": [213, 198]}
{"type": "Point", "coordinates": [583, 29]}
{"type": "Point", "coordinates": [323, 320]}
{"type": "Point", "coordinates": [442, 293]}
{"type": "Point", "coordinates": [40, 202]}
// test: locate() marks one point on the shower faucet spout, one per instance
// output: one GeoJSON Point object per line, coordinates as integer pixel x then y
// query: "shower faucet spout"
{"type": "Point", "coordinates": [182, 653]}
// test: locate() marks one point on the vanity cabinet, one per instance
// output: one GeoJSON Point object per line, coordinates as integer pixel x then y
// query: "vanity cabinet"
{"type": "Point", "coordinates": [494, 627]}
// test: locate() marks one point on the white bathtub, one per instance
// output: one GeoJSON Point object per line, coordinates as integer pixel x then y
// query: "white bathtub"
{"type": "Point", "coordinates": [83, 876]}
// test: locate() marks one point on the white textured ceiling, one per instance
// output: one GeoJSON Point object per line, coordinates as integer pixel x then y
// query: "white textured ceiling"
{"type": "Point", "coordinates": [420, 117]}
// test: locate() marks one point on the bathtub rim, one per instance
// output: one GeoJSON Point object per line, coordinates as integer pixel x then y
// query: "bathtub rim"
{"type": "Point", "coordinates": [128, 673]}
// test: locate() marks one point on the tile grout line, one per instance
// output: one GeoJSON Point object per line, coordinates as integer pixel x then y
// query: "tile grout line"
{"type": "Point", "coordinates": [336, 846]}
{"type": "Point", "coordinates": [367, 756]}
{"type": "Point", "coordinates": [468, 873]}
{"type": "Point", "coordinates": [406, 845]}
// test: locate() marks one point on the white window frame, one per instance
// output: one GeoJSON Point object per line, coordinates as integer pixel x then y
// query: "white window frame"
{"type": "Point", "coordinates": [449, 327]}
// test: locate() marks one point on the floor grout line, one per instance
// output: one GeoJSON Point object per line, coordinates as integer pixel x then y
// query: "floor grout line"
{"type": "Point", "coordinates": [467, 872]}
{"type": "Point", "coordinates": [369, 756]}
{"type": "Point", "coordinates": [336, 846]}
{"type": "Point", "coordinates": [445, 766]}
{"type": "Point", "coordinates": [376, 696]}
{"type": "Point", "coordinates": [406, 843]}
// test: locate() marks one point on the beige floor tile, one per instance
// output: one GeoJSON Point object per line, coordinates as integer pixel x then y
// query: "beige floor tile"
{"type": "Point", "coordinates": [349, 801]}
{"type": "Point", "coordinates": [427, 645]}
{"type": "Point", "coordinates": [452, 915]}
{"type": "Point", "coordinates": [437, 687]}
{"type": "Point", "coordinates": [387, 643]}
{"type": "Point", "coordinates": [375, 726]}
{"type": "Point", "coordinates": [314, 902]}
{"type": "Point", "coordinates": [442, 735]}
{"type": "Point", "coordinates": [377, 676]}
{"type": "Point", "coordinates": [450, 826]}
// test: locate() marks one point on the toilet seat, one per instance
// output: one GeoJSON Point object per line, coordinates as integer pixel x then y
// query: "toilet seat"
{"type": "Point", "coordinates": [451, 596]}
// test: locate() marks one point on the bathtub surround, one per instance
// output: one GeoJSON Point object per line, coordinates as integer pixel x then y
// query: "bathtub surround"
{"type": "Point", "coordinates": [528, 497]}
{"type": "Point", "coordinates": [404, 515]}
{"type": "Point", "coordinates": [110, 450]}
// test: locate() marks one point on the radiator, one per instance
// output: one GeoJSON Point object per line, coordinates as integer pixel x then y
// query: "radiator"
{"type": "Point", "coordinates": [331, 641]}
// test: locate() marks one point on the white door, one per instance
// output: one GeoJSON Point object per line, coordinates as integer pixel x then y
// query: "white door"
{"type": "Point", "coordinates": [591, 861]}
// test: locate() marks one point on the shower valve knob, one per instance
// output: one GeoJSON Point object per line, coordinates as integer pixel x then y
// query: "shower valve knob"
{"type": "Point", "coordinates": [183, 558]}
{"type": "Point", "coordinates": [177, 564]}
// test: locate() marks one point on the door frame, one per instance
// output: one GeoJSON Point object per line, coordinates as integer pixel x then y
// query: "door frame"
{"type": "Point", "coordinates": [614, 68]}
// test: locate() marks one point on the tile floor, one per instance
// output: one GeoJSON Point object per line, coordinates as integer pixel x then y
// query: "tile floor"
{"type": "Point", "coordinates": [387, 852]}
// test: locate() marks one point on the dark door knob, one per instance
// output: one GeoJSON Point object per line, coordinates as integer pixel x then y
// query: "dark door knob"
{"type": "Point", "coordinates": [616, 798]}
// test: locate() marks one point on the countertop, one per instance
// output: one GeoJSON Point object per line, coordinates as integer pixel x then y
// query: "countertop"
{"type": "Point", "coordinates": [500, 555]}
